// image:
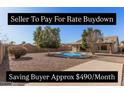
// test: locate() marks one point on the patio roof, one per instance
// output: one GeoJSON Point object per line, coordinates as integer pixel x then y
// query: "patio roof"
{"type": "Point", "coordinates": [107, 40]}
{"type": "Point", "coordinates": [79, 42]}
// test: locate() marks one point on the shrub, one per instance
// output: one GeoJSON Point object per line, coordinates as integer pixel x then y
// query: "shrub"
{"type": "Point", "coordinates": [17, 51]}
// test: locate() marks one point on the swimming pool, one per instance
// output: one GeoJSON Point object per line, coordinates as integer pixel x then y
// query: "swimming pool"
{"type": "Point", "coordinates": [72, 54]}
{"type": "Point", "coordinates": [80, 55]}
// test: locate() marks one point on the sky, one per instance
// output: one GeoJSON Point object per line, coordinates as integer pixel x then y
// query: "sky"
{"type": "Point", "coordinates": [68, 33]}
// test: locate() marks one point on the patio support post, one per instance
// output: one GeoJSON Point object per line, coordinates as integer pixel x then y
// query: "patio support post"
{"type": "Point", "coordinates": [110, 49]}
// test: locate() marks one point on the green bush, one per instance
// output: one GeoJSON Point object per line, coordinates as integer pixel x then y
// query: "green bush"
{"type": "Point", "coordinates": [17, 51]}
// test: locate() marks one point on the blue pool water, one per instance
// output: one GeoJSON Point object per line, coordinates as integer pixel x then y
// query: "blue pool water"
{"type": "Point", "coordinates": [80, 55]}
{"type": "Point", "coordinates": [69, 54]}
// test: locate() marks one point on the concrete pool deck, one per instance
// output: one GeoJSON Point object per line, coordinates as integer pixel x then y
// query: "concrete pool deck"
{"type": "Point", "coordinates": [94, 65]}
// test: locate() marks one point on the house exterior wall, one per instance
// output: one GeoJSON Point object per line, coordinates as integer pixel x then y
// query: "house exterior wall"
{"type": "Point", "coordinates": [98, 48]}
{"type": "Point", "coordinates": [121, 47]}
{"type": "Point", "coordinates": [76, 48]}
{"type": "Point", "coordinates": [106, 45]}
{"type": "Point", "coordinates": [116, 47]}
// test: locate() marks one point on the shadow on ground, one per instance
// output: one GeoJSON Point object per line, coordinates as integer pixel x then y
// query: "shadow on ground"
{"type": "Point", "coordinates": [22, 59]}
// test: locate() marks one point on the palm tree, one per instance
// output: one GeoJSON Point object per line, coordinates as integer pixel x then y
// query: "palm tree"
{"type": "Point", "coordinates": [92, 36]}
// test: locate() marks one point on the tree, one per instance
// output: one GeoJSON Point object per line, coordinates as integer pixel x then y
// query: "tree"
{"type": "Point", "coordinates": [38, 36]}
{"type": "Point", "coordinates": [47, 37]}
{"type": "Point", "coordinates": [84, 43]}
{"type": "Point", "coordinates": [12, 42]}
{"type": "Point", "coordinates": [23, 42]}
{"type": "Point", "coordinates": [122, 42]}
{"type": "Point", "coordinates": [92, 35]}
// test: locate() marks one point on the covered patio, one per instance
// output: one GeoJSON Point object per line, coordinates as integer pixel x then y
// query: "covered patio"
{"type": "Point", "coordinates": [104, 48]}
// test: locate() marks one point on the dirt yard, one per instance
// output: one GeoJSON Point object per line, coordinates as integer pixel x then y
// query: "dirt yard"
{"type": "Point", "coordinates": [41, 62]}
